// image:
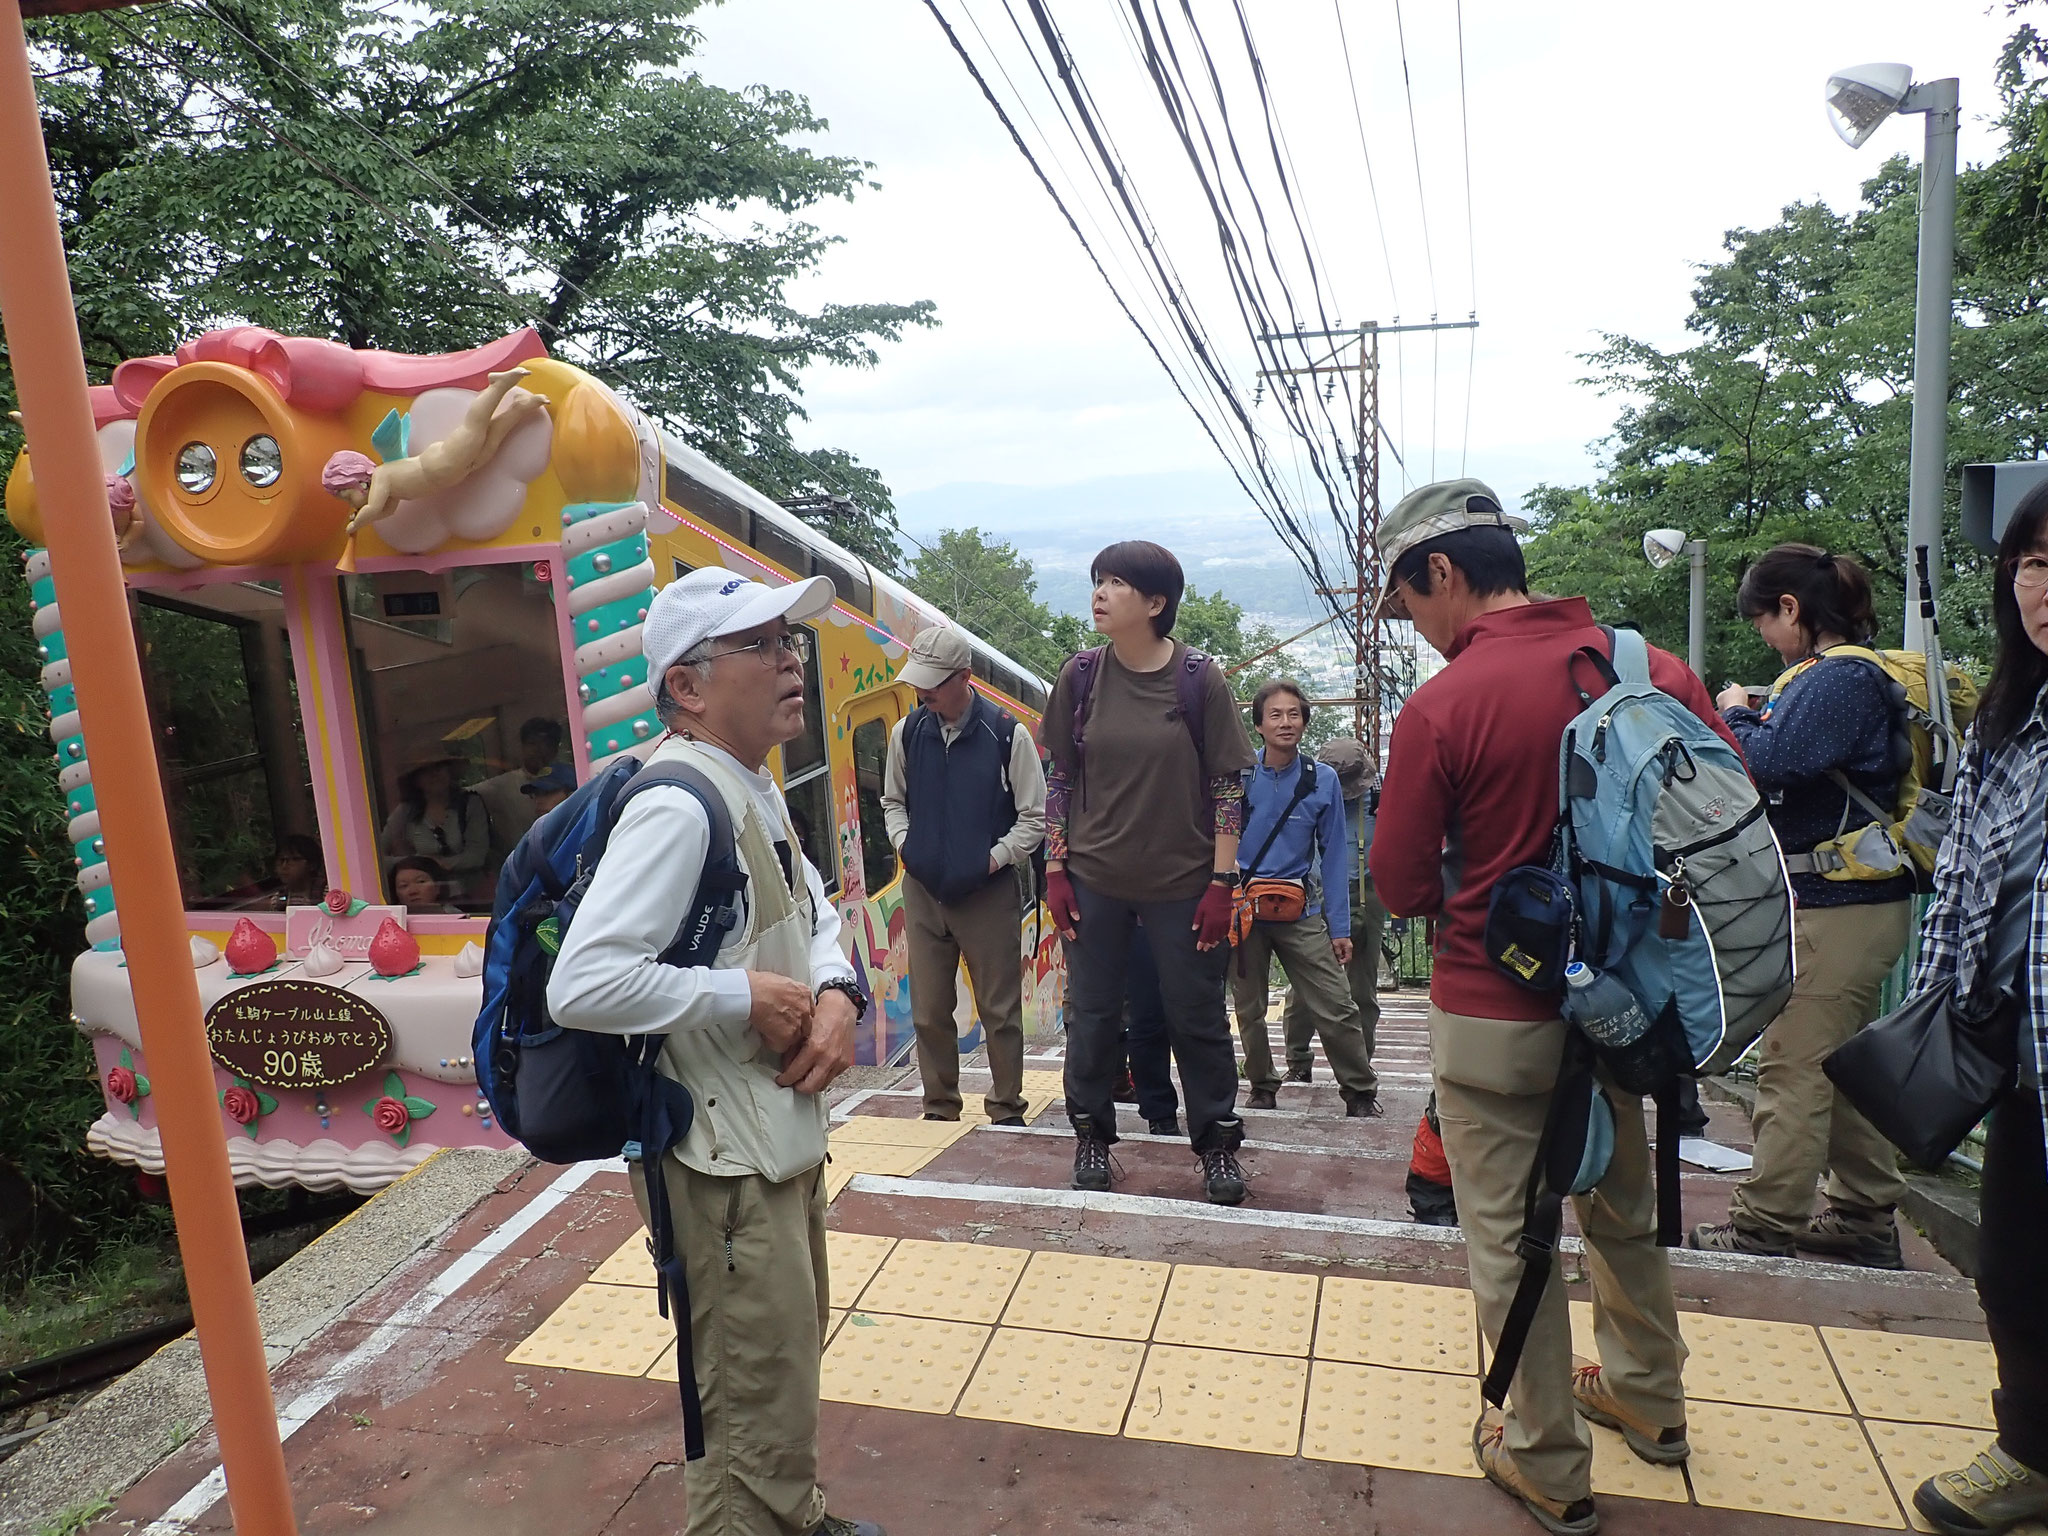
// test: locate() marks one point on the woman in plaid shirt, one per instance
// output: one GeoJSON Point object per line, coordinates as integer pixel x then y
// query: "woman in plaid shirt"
{"type": "Point", "coordinates": [1991, 862]}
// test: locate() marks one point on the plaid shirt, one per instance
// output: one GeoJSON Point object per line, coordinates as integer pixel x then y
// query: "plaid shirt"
{"type": "Point", "coordinates": [1991, 796]}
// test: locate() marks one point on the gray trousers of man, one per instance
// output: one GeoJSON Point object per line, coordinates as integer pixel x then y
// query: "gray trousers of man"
{"type": "Point", "coordinates": [1368, 924]}
{"type": "Point", "coordinates": [1318, 982]}
{"type": "Point", "coordinates": [982, 929]}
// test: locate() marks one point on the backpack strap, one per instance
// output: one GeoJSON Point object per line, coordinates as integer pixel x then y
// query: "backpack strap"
{"type": "Point", "coordinates": [1304, 786]}
{"type": "Point", "coordinates": [1631, 656]}
{"type": "Point", "coordinates": [1191, 697]}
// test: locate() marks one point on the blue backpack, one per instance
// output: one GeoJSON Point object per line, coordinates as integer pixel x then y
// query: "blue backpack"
{"type": "Point", "coordinates": [1677, 888]}
{"type": "Point", "coordinates": [569, 1095]}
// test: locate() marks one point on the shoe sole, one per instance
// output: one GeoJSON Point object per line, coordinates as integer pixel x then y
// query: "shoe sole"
{"type": "Point", "coordinates": [1646, 1450]}
{"type": "Point", "coordinates": [1225, 1197]}
{"type": "Point", "coordinates": [1861, 1260]}
{"type": "Point", "coordinates": [1942, 1522]}
{"type": "Point", "coordinates": [1096, 1182]}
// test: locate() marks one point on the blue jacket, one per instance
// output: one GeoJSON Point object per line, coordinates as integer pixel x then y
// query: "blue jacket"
{"type": "Point", "coordinates": [1318, 821]}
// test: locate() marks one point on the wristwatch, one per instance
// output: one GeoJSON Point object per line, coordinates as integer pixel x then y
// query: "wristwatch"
{"type": "Point", "coordinates": [1224, 877]}
{"type": "Point", "coordinates": [854, 995]}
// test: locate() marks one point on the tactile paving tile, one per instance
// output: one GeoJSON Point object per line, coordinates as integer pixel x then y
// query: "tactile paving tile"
{"type": "Point", "coordinates": [1054, 1381]}
{"type": "Point", "coordinates": [1770, 1365]}
{"type": "Point", "coordinates": [1912, 1453]}
{"type": "Point", "coordinates": [1387, 1322]}
{"type": "Point", "coordinates": [1813, 1466]}
{"type": "Point", "coordinates": [834, 1316]}
{"type": "Point", "coordinates": [1271, 1311]}
{"type": "Point", "coordinates": [1370, 1415]}
{"type": "Point", "coordinates": [966, 1282]}
{"type": "Point", "coordinates": [837, 1177]}
{"type": "Point", "coordinates": [1912, 1376]}
{"type": "Point", "coordinates": [868, 1157]}
{"type": "Point", "coordinates": [1619, 1471]}
{"type": "Point", "coordinates": [611, 1329]}
{"type": "Point", "coordinates": [915, 1363]}
{"type": "Point", "coordinates": [890, 1131]}
{"type": "Point", "coordinates": [853, 1258]}
{"type": "Point", "coordinates": [631, 1265]}
{"type": "Point", "coordinates": [1219, 1397]}
{"type": "Point", "coordinates": [1079, 1293]}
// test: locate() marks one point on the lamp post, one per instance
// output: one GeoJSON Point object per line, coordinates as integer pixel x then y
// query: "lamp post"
{"type": "Point", "coordinates": [1859, 100]}
{"type": "Point", "coordinates": [1661, 546]}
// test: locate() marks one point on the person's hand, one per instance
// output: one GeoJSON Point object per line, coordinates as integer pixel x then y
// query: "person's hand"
{"type": "Point", "coordinates": [827, 1051]}
{"type": "Point", "coordinates": [994, 864]}
{"type": "Point", "coordinates": [1059, 901]}
{"type": "Point", "coordinates": [1212, 917]}
{"type": "Point", "coordinates": [1342, 949]}
{"type": "Point", "coordinates": [782, 1010]}
{"type": "Point", "coordinates": [1734, 696]}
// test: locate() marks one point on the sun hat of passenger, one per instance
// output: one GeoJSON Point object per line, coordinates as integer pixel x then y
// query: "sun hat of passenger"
{"type": "Point", "coordinates": [935, 655]}
{"type": "Point", "coordinates": [1430, 510]}
{"type": "Point", "coordinates": [711, 602]}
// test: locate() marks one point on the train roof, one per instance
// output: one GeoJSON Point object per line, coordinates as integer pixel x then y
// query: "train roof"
{"type": "Point", "coordinates": [734, 507]}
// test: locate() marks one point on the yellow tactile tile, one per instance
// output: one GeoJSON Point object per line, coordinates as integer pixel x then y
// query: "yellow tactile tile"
{"type": "Point", "coordinates": [1372, 1416]}
{"type": "Point", "coordinates": [853, 1258]}
{"type": "Point", "coordinates": [837, 1177]}
{"type": "Point", "coordinates": [1912, 1453]}
{"type": "Point", "coordinates": [629, 1266]}
{"type": "Point", "coordinates": [1386, 1322]}
{"type": "Point", "coordinates": [889, 1131]}
{"type": "Point", "coordinates": [834, 1316]}
{"type": "Point", "coordinates": [914, 1363]}
{"type": "Point", "coordinates": [1054, 1381]}
{"type": "Point", "coordinates": [1769, 1365]}
{"type": "Point", "coordinates": [869, 1157]}
{"type": "Point", "coordinates": [966, 1282]}
{"type": "Point", "coordinates": [1914, 1377]}
{"type": "Point", "coordinates": [1813, 1466]}
{"type": "Point", "coordinates": [611, 1329]}
{"type": "Point", "coordinates": [1619, 1471]}
{"type": "Point", "coordinates": [1267, 1310]}
{"type": "Point", "coordinates": [1079, 1293]}
{"type": "Point", "coordinates": [1221, 1398]}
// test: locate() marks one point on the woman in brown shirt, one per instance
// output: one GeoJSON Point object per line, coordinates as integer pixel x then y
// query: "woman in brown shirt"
{"type": "Point", "coordinates": [1144, 805]}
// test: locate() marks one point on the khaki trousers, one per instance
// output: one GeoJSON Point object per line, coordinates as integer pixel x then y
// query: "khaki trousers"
{"type": "Point", "coordinates": [1801, 1125]}
{"type": "Point", "coordinates": [1368, 923]}
{"type": "Point", "coordinates": [984, 930]}
{"type": "Point", "coordinates": [1319, 986]}
{"type": "Point", "coordinates": [754, 1254]}
{"type": "Point", "coordinates": [1493, 1082]}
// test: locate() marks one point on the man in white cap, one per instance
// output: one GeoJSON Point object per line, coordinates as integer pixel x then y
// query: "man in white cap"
{"type": "Point", "coordinates": [756, 1037]}
{"type": "Point", "coordinates": [964, 797]}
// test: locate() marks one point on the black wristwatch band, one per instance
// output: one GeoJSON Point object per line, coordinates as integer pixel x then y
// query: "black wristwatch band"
{"type": "Point", "coordinates": [1225, 877]}
{"type": "Point", "coordinates": [851, 988]}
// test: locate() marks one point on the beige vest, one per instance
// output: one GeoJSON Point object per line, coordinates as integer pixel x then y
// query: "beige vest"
{"type": "Point", "coordinates": [745, 1123]}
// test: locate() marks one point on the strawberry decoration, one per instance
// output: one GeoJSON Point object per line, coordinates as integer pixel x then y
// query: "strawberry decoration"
{"type": "Point", "coordinates": [250, 949]}
{"type": "Point", "coordinates": [393, 951]}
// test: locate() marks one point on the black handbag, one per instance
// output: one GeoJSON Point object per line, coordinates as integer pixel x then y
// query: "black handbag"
{"type": "Point", "coordinates": [1927, 1072]}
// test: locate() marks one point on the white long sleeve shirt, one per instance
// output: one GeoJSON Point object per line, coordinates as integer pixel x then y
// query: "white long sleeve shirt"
{"type": "Point", "coordinates": [1027, 787]}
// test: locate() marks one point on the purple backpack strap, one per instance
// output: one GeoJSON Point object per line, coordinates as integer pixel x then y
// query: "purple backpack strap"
{"type": "Point", "coordinates": [1191, 697]}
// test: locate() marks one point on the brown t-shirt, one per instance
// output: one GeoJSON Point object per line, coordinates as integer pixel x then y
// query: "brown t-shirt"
{"type": "Point", "coordinates": [1140, 826]}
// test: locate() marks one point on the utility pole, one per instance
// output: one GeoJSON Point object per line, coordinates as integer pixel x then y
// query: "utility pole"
{"type": "Point", "coordinates": [1368, 633]}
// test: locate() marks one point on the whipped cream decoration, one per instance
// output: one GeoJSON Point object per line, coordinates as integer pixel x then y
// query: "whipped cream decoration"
{"type": "Point", "coordinates": [469, 960]}
{"type": "Point", "coordinates": [204, 951]}
{"type": "Point", "coordinates": [322, 959]}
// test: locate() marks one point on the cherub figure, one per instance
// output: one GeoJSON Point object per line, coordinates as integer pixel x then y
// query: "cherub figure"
{"type": "Point", "coordinates": [375, 490]}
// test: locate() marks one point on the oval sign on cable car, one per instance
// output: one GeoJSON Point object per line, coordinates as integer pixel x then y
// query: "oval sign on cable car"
{"type": "Point", "coordinates": [296, 1034]}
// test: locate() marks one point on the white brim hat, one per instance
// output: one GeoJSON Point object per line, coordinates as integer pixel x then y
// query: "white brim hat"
{"type": "Point", "coordinates": [711, 602]}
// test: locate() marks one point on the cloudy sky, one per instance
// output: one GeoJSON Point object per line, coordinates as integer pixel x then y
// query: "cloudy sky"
{"type": "Point", "coordinates": [1612, 144]}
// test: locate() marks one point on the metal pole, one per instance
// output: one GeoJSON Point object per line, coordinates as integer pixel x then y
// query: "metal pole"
{"type": "Point", "coordinates": [1933, 314]}
{"type": "Point", "coordinates": [1366, 683]}
{"type": "Point", "coordinates": [49, 374]}
{"type": "Point", "coordinates": [1696, 614]}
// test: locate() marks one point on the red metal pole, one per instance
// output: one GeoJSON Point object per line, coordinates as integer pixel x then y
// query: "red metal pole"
{"type": "Point", "coordinates": [49, 374]}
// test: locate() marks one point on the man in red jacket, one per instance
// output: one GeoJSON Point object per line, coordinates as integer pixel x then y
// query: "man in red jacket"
{"type": "Point", "coordinates": [1470, 792]}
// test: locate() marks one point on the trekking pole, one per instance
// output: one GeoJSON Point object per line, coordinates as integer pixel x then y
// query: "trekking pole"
{"type": "Point", "coordinates": [1937, 678]}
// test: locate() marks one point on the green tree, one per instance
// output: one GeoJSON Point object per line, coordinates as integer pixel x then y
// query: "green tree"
{"type": "Point", "coordinates": [984, 584]}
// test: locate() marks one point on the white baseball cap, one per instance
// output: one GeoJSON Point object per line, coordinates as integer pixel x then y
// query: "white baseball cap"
{"type": "Point", "coordinates": [935, 655]}
{"type": "Point", "coordinates": [711, 602]}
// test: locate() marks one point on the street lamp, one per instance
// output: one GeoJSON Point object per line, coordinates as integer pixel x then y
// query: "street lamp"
{"type": "Point", "coordinates": [1661, 546]}
{"type": "Point", "coordinates": [1859, 100]}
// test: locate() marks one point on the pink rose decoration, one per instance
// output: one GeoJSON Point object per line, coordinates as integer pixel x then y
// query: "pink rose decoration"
{"type": "Point", "coordinates": [121, 1085]}
{"type": "Point", "coordinates": [241, 1104]}
{"type": "Point", "coordinates": [339, 901]}
{"type": "Point", "coordinates": [390, 1116]}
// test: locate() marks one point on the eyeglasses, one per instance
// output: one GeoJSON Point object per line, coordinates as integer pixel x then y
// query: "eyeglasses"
{"type": "Point", "coordinates": [2029, 571]}
{"type": "Point", "coordinates": [770, 649]}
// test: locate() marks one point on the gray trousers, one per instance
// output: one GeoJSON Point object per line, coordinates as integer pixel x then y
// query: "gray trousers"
{"type": "Point", "coordinates": [1368, 924]}
{"type": "Point", "coordinates": [1318, 983]}
{"type": "Point", "coordinates": [982, 929]}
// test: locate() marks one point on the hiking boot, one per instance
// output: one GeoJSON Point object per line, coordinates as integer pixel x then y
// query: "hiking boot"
{"type": "Point", "coordinates": [1262, 1098]}
{"type": "Point", "coordinates": [1091, 1156]}
{"type": "Point", "coordinates": [1363, 1106]}
{"type": "Point", "coordinates": [1731, 1237]}
{"type": "Point", "coordinates": [1598, 1404]}
{"type": "Point", "coordinates": [1008, 1120]}
{"type": "Point", "coordinates": [1170, 1126]}
{"type": "Point", "coordinates": [832, 1525]}
{"type": "Point", "coordinates": [1842, 1235]}
{"type": "Point", "coordinates": [1126, 1089]}
{"type": "Point", "coordinates": [1222, 1176]}
{"type": "Point", "coordinates": [947, 1119]}
{"type": "Point", "coordinates": [1489, 1449]}
{"type": "Point", "coordinates": [1300, 1075]}
{"type": "Point", "coordinates": [1993, 1493]}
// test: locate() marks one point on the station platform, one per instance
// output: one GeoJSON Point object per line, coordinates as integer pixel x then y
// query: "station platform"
{"type": "Point", "coordinates": [1011, 1355]}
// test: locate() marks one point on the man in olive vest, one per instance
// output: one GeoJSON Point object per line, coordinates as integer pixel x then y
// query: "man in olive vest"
{"type": "Point", "coordinates": [964, 797]}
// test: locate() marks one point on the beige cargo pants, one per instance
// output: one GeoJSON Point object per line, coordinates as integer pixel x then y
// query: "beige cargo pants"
{"type": "Point", "coordinates": [983, 930]}
{"type": "Point", "coordinates": [1319, 987]}
{"type": "Point", "coordinates": [1493, 1082]}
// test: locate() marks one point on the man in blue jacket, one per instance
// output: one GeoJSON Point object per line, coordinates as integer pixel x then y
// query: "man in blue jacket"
{"type": "Point", "coordinates": [1294, 819]}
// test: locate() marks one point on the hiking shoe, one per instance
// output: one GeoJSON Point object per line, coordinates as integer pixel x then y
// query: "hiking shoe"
{"type": "Point", "coordinates": [1126, 1089]}
{"type": "Point", "coordinates": [947, 1119]}
{"type": "Point", "coordinates": [1597, 1404]}
{"type": "Point", "coordinates": [1262, 1098]}
{"type": "Point", "coordinates": [1362, 1106]}
{"type": "Point", "coordinates": [832, 1525]}
{"type": "Point", "coordinates": [1300, 1075]}
{"type": "Point", "coordinates": [1091, 1159]}
{"type": "Point", "coordinates": [1841, 1235]}
{"type": "Point", "coordinates": [1993, 1493]}
{"type": "Point", "coordinates": [1222, 1176]}
{"type": "Point", "coordinates": [1167, 1127]}
{"type": "Point", "coordinates": [1008, 1120]}
{"type": "Point", "coordinates": [1729, 1237]}
{"type": "Point", "coordinates": [1489, 1449]}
